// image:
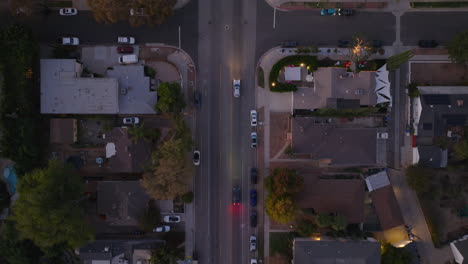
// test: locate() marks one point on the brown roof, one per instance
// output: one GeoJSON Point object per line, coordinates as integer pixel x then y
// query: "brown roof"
{"type": "Point", "coordinates": [345, 197]}
{"type": "Point", "coordinates": [345, 146]}
{"type": "Point", "coordinates": [63, 130]}
{"type": "Point", "coordinates": [129, 157]}
{"type": "Point", "coordinates": [387, 208]}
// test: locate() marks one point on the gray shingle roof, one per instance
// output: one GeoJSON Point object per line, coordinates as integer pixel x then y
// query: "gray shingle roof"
{"type": "Point", "coordinates": [335, 252]}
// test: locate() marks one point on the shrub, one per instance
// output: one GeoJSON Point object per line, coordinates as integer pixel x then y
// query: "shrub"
{"type": "Point", "coordinates": [187, 197]}
{"type": "Point", "coordinates": [306, 227]}
{"type": "Point", "coordinates": [284, 87]}
{"type": "Point", "coordinates": [413, 90]}
{"type": "Point", "coordinates": [149, 72]}
{"type": "Point", "coordinates": [314, 49]}
{"type": "Point", "coordinates": [260, 77]}
{"type": "Point", "coordinates": [396, 60]}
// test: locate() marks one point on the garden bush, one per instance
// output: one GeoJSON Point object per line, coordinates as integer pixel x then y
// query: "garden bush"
{"type": "Point", "coordinates": [284, 87]}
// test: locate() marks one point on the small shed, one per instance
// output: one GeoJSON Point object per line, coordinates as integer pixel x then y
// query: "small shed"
{"type": "Point", "coordinates": [293, 73]}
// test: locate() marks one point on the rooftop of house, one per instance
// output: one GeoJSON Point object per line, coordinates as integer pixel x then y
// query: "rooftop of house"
{"type": "Point", "coordinates": [432, 156]}
{"type": "Point", "coordinates": [111, 251]}
{"type": "Point", "coordinates": [121, 203]}
{"type": "Point", "coordinates": [343, 196]}
{"type": "Point", "coordinates": [344, 146]}
{"type": "Point", "coordinates": [135, 96]}
{"type": "Point", "coordinates": [386, 207]}
{"type": "Point", "coordinates": [335, 83]}
{"type": "Point", "coordinates": [63, 130]}
{"type": "Point", "coordinates": [129, 157]}
{"type": "Point", "coordinates": [306, 251]}
{"type": "Point", "coordinates": [63, 91]}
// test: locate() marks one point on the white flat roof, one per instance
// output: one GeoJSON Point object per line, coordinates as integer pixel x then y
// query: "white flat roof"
{"type": "Point", "coordinates": [64, 92]}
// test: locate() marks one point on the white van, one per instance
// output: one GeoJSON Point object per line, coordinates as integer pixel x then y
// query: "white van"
{"type": "Point", "coordinates": [128, 59]}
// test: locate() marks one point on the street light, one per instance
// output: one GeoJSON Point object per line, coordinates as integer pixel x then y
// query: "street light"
{"type": "Point", "coordinates": [302, 64]}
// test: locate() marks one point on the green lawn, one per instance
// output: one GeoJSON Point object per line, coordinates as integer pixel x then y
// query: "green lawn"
{"type": "Point", "coordinates": [281, 243]}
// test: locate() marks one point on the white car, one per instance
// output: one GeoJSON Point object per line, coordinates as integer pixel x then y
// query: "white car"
{"type": "Point", "coordinates": [253, 243]}
{"type": "Point", "coordinates": [172, 219]}
{"type": "Point", "coordinates": [131, 120]}
{"type": "Point", "coordinates": [253, 136]}
{"type": "Point", "coordinates": [165, 228]}
{"type": "Point", "coordinates": [253, 118]}
{"type": "Point", "coordinates": [382, 135]}
{"type": "Point", "coordinates": [126, 40]}
{"type": "Point", "coordinates": [196, 157]}
{"type": "Point", "coordinates": [68, 11]}
{"type": "Point", "coordinates": [253, 261]}
{"type": "Point", "coordinates": [128, 59]}
{"type": "Point", "coordinates": [69, 41]}
{"type": "Point", "coordinates": [236, 86]}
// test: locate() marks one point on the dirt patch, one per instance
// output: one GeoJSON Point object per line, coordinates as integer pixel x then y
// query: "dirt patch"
{"type": "Point", "coordinates": [279, 127]}
{"type": "Point", "coordinates": [443, 74]}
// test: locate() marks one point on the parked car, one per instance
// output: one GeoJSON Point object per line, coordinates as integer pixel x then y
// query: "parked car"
{"type": "Point", "coordinates": [128, 59]}
{"type": "Point", "coordinates": [253, 136]}
{"type": "Point", "coordinates": [253, 219]}
{"type": "Point", "coordinates": [197, 98]}
{"type": "Point", "coordinates": [126, 40]}
{"type": "Point", "coordinates": [382, 135]}
{"type": "Point", "coordinates": [346, 12]}
{"type": "Point", "coordinates": [165, 228]}
{"type": "Point", "coordinates": [69, 41]}
{"type": "Point", "coordinates": [196, 157]}
{"type": "Point", "coordinates": [328, 12]}
{"type": "Point", "coordinates": [236, 87]}
{"type": "Point", "coordinates": [253, 261]}
{"type": "Point", "coordinates": [428, 43]}
{"type": "Point", "coordinates": [253, 118]}
{"type": "Point", "coordinates": [68, 11]}
{"type": "Point", "coordinates": [343, 43]}
{"type": "Point", "coordinates": [253, 197]}
{"type": "Point", "coordinates": [289, 44]}
{"type": "Point", "coordinates": [253, 175]}
{"type": "Point", "coordinates": [253, 243]}
{"type": "Point", "coordinates": [125, 49]}
{"type": "Point", "coordinates": [131, 120]}
{"type": "Point", "coordinates": [236, 196]}
{"type": "Point", "coordinates": [171, 219]}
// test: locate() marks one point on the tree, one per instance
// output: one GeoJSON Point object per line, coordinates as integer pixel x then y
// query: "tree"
{"type": "Point", "coordinates": [393, 255]}
{"type": "Point", "coordinates": [4, 196]}
{"type": "Point", "coordinates": [187, 197]}
{"type": "Point", "coordinates": [461, 150]}
{"type": "Point", "coordinates": [458, 48]}
{"type": "Point", "coordinates": [49, 210]}
{"type": "Point", "coordinates": [25, 7]}
{"type": "Point", "coordinates": [396, 60]}
{"type": "Point", "coordinates": [360, 49]}
{"type": "Point", "coordinates": [173, 149]}
{"type": "Point", "coordinates": [15, 250]}
{"type": "Point", "coordinates": [339, 223]}
{"type": "Point", "coordinates": [284, 181]}
{"type": "Point", "coordinates": [170, 98]}
{"type": "Point", "coordinates": [154, 12]}
{"type": "Point", "coordinates": [336, 222]}
{"type": "Point", "coordinates": [167, 180]}
{"type": "Point", "coordinates": [418, 178]}
{"type": "Point", "coordinates": [150, 218]}
{"type": "Point", "coordinates": [165, 255]}
{"type": "Point", "coordinates": [138, 133]}
{"type": "Point", "coordinates": [281, 209]}
{"type": "Point", "coordinates": [413, 90]}
{"type": "Point", "coordinates": [306, 227]}
{"type": "Point", "coordinates": [324, 220]}
{"type": "Point", "coordinates": [110, 11]}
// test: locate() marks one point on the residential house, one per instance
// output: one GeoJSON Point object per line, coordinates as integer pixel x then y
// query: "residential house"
{"type": "Point", "coordinates": [306, 251]}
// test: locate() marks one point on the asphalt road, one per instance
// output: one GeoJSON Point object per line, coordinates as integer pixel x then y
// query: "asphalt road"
{"type": "Point", "coordinates": [440, 26]}
{"type": "Point", "coordinates": [227, 31]}
{"type": "Point", "coordinates": [310, 28]}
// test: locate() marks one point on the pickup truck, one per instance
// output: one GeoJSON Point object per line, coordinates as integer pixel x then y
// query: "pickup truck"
{"type": "Point", "coordinates": [126, 40]}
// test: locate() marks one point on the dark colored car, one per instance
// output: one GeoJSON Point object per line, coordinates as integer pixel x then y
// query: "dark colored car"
{"type": "Point", "coordinates": [343, 43]}
{"type": "Point", "coordinates": [197, 98]}
{"type": "Point", "coordinates": [253, 197]}
{"type": "Point", "coordinates": [289, 44]}
{"type": "Point", "coordinates": [428, 43]}
{"type": "Point", "coordinates": [125, 49]}
{"type": "Point", "coordinates": [236, 196]}
{"type": "Point", "coordinates": [346, 12]}
{"type": "Point", "coordinates": [253, 219]}
{"type": "Point", "coordinates": [253, 175]}
{"type": "Point", "coordinates": [377, 44]}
